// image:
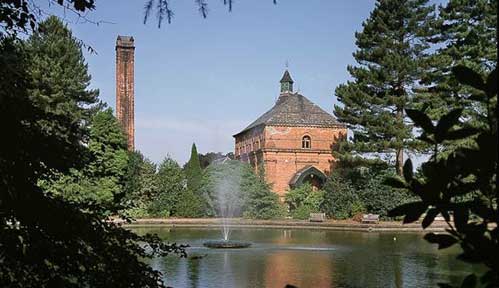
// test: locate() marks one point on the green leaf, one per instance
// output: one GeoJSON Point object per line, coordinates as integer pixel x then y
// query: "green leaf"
{"type": "Point", "coordinates": [421, 119]}
{"type": "Point", "coordinates": [395, 182]}
{"type": "Point", "coordinates": [461, 215]}
{"type": "Point", "coordinates": [443, 240]}
{"type": "Point", "coordinates": [408, 171]}
{"type": "Point", "coordinates": [492, 84]}
{"type": "Point", "coordinates": [430, 216]}
{"type": "Point", "coordinates": [469, 282]}
{"type": "Point", "coordinates": [461, 133]}
{"type": "Point", "coordinates": [446, 122]}
{"type": "Point", "coordinates": [412, 211]}
{"type": "Point", "coordinates": [468, 77]}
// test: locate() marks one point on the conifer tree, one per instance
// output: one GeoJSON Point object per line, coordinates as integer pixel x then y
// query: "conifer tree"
{"type": "Point", "coordinates": [60, 76]}
{"type": "Point", "coordinates": [465, 34]}
{"type": "Point", "coordinates": [46, 241]}
{"type": "Point", "coordinates": [193, 172]}
{"type": "Point", "coordinates": [390, 47]}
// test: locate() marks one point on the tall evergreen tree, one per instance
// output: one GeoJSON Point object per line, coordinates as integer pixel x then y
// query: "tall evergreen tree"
{"type": "Point", "coordinates": [193, 171]}
{"type": "Point", "coordinates": [465, 34]}
{"type": "Point", "coordinates": [391, 45]}
{"type": "Point", "coordinates": [46, 241]}
{"type": "Point", "coordinates": [60, 76]}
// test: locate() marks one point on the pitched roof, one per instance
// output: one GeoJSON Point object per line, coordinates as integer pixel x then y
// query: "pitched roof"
{"type": "Point", "coordinates": [286, 77]}
{"type": "Point", "coordinates": [293, 109]}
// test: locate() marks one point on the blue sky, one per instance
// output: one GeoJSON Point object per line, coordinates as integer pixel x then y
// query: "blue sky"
{"type": "Point", "coordinates": [202, 80]}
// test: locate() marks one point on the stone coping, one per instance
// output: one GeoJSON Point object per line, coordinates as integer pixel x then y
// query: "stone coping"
{"type": "Point", "coordinates": [342, 225]}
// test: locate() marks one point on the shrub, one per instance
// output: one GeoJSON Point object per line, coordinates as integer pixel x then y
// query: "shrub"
{"type": "Point", "coordinates": [304, 200]}
{"type": "Point", "coordinates": [379, 198]}
{"type": "Point", "coordinates": [190, 205]}
{"type": "Point", "coordinates": [341, 200]}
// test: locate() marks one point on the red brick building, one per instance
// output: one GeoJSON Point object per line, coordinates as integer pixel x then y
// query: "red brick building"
{"type": "Point", "coordinates": [292, 141]}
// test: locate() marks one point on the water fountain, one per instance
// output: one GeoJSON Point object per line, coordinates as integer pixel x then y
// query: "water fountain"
{"type": "Point", "coordinates": [228, 203]}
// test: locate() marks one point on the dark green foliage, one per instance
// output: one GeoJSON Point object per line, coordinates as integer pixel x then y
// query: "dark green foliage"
{"type": "Point", "coordinates": [261, 202]}
{"type": "Point", "coordinates": [60, 74]}
{"type": "Point", "coordinates": [140, 185]}
{"type": "Point", "coordinates": [391, 45]}
{"type": "Point", "coordinates": [341, 199]}
{"type": "Point", "coordinates": [206, 159]}
{"type": "Point", "coordinates": [63, 92]}
{"type": "Point", "coordinates": [193, 172]}
{"type": "Point", "coordinates": [465, 34]}
{"type": "Point", "coordinates": [361, 190]}
{"type": "Point", "coordinates": [101, 180]}
{"type": "Point", "coordinates": [170, 184]}
{"type": "Point", "coordinates": [304, 200]}
{"type": "Point", "coordinates": [462, 183]}
{"type": "Point", "coordinates": [236, 182]}
{"type": "Point", "coordinates": [379, 198]}
{"type": "Point", "coordinates": [222, 186]}
{"type": "Point", "coordinates": [19, 15]}
{"type": "Point", "coordinates": [46, 241]}
{"type": "Point", "coordinates": [190, 205]}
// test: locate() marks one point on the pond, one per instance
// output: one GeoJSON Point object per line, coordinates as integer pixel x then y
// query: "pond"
{"type": "Point", "coordinates": [307, 258]}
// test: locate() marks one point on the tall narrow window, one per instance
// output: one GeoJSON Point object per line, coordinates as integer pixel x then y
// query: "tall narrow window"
{"type": "Point", "coordinates": [306, 143]}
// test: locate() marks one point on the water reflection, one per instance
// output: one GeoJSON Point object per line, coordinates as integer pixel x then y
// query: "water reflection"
{"type": "Point", "coordinates": [308, 258]}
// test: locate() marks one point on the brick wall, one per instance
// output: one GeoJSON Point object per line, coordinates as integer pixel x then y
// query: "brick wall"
{"type": "Point", "coordinates": [125, 51]}
{"type": "Point", "coordinates": [282, 154]}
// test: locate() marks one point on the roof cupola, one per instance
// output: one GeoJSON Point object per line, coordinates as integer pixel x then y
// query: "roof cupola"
{"type": "Point", "coordinates": [286, 83]}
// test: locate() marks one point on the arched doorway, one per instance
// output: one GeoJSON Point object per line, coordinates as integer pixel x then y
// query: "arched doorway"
{"type": "Point", "coordinates": [308, 174]}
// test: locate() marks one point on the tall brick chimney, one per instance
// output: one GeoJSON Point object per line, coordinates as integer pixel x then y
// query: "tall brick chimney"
{"type": "Point", "coordinates": [125, 50]}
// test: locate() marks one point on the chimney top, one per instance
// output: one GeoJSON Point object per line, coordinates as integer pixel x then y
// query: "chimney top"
{"type": "Point", "coordinates": [124, 41]}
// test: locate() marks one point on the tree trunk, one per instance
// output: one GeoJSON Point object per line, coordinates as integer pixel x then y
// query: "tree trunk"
{"type": "Point", "coordinates": [399, 161]}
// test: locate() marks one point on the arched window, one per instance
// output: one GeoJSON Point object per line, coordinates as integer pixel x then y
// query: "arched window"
{"type": "Point", "coordinates": [306, 142]}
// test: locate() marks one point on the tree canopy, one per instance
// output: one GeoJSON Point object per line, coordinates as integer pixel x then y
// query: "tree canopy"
{"type": "Point", "coordinates": [390, 47]}
{"type": "Point", "coordinates": [45, 240]}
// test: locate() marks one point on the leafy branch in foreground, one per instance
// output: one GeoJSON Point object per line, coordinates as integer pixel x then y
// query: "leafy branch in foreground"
{"type": "Point", "coordinates": [461, 186]}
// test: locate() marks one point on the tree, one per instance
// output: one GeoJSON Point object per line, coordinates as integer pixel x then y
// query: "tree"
{"type": "Point", "coordinates": [233, 190]}
{"type": "Point", "coordinates": [222, 188]}
{"type": "Point", "coordinates": [60, 74]}
{"type": "Point", "coordinates": [304, 200]}
{"type": "Point", "coordinates": [465, 34]}
{"type": "Point", "coordinates": [378, 198]}
{"type": "Point", "coordinates": [140, 184]}
{"type": "Point", "coordinates": [102, 178]}
{"type": "Point", "coordinates": [463, 183]}
{"type": "Point", "coordinates": [171, 184]}
{"type": "Point", "coordinates": [46, 241]}
{"type": "Point", "coordinates": [391, 45]}
{"type": "Point", "coordinates": [206, 159]}
{"type": "Point", "coordinates": [193, 172]}
{"type": "Point", "coordinates": [341, 198]}
{"type": "Point", "coordinates": [261, 202]}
